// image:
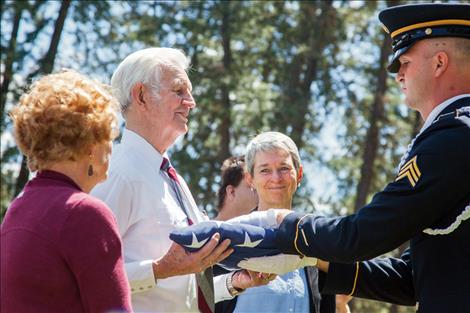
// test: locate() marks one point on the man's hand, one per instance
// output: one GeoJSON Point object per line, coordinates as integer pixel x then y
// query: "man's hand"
{"type": "Point", "coordinates": [245, 279]}
{"type": "Point", "coordinates": [177, 261]}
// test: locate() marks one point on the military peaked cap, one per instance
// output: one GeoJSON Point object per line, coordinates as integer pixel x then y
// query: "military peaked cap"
{"type": "Point", "coordinates": [407, 24]}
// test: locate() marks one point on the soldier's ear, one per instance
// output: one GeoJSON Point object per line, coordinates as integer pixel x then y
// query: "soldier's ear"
{"type": "Point", "coordinates": [440, 63]}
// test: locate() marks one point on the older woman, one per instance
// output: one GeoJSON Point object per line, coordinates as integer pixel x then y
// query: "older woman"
{"type": "Point", "coordinates": [61, 251]}
{"type": "Point", "coordinates": [274, 170]}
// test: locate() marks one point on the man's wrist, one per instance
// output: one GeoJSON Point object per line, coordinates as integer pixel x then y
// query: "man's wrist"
{"type": "Point", "coordinates": [160, 269]}
{"type": "Point", "coordinates": [231, 289]}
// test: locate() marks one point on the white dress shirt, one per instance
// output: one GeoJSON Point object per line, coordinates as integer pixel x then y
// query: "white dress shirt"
{"type": "Point", "coordinates": [147, 210]}
{"type": "Point", "coordinates": [438, 109]}
{"type": "Point", "coordinates": [430, 119]}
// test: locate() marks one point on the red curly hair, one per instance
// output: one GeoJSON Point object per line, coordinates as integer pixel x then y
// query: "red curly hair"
{"type": "Point", "coordinates": [61, 116]}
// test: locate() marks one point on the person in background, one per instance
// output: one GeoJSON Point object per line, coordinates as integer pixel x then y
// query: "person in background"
{"type": "Point", "coordinates": [61, 250]}
{"type": "Point", "coordinates": [274, 170]}
{"type": "Point", "coordinates": [235, 196]}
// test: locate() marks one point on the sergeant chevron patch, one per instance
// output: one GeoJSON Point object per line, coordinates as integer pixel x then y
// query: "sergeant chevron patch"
{"type": "Point", "coordinates": [411, 171]}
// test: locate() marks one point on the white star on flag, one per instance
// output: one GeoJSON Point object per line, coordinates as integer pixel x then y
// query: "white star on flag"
{"type": "Point", "coordinates": [195, 243]}
{"type": "Point", "coordinates": [248, 242]}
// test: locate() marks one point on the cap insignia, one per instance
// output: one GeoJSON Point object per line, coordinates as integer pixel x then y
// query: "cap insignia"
{"type": "Point", "coordinates": [385, 28]}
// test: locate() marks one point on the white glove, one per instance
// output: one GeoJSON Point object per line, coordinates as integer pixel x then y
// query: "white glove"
{"type": "Point", "coordinates": [265, 219]}
{"type": "Point", "coordinates": [277, 264]}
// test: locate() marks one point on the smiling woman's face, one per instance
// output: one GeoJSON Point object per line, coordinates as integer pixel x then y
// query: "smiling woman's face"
{"type": "Point", "coordinates": [274, 178]}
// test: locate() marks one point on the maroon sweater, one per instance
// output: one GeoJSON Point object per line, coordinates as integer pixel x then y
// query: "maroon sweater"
{"type": "Point", "coordinates": [61, 251]}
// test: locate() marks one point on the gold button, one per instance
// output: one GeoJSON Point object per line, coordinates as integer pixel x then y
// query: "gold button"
{"type": "Point", "coordinates": [428, 31]}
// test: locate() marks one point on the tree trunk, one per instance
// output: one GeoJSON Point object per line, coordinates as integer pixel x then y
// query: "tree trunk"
{"type": "Point", "coordinates": [23, 176]}
{"type": "Point", "coordinates": [303, 69]}
{"type": "Point", "coordinates": [225, 122]}
{"type": "Point", "coordinates": [46, 66]}
{"type": "Point", "coordinates": [372, 136]}
{"type": "Point", "coordinates": [47, 63]}
{"type": "Point", "coordinates": [377, 116]}
{"type": "Point", "coordinates": [10, 57]}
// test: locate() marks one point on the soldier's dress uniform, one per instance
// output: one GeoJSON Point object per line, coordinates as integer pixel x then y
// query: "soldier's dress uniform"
{"type": "Point", "coordinates": [428, 203]}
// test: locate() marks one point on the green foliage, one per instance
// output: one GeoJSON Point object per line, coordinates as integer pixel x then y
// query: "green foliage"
{"type": "Point", "coordinates": [359, 72]}
{"type": "Point", "coordinates": [304, 68]}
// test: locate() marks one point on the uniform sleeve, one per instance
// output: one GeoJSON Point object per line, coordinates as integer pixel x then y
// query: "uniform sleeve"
{"type": "Point", "coordinates": [92, 248]}
{"type": "Point", "coordinates": [381, 279]}
{"type": "Point", "coordinates": [118, 193]}
{"type": "Point", "coordinates": [431, 184]}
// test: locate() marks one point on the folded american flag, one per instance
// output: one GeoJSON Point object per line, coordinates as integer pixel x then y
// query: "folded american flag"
{"type": "Point", "coordinates": [248, 241]}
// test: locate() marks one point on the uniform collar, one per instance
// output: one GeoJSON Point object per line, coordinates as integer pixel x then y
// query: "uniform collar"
{"type": "Point", "coordinates": [144, 148]}
{"type": "Point", "coordinates": [438, 109]}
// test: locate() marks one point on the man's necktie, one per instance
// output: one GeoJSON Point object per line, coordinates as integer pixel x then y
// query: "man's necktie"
{"type": "Point", "coordinates": [204, 280]}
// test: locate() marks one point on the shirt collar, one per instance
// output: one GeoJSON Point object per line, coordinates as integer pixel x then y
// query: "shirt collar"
{"type": "Point", "coordinates": [438, 109]}
{"type": "Point", "coordinates": [146, 150]}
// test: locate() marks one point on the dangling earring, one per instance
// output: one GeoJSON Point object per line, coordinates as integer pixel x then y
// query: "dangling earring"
{"type": "Point", "coordinates": [90, 167]}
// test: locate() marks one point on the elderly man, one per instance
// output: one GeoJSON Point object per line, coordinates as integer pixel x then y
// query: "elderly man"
{"type": "Point", "coordinates": [150, 199]}
{"type": "Point", "coordinates": [429, 200]}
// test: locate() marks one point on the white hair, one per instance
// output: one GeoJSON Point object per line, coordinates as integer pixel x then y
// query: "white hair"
{"type": "Point", "coordinates": [269, 141]}
{"type": "Point", "coordinates": [145, 66]}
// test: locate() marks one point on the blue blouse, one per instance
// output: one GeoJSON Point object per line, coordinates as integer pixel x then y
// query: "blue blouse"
{"type": "Point", "coordinates": [286, 293]}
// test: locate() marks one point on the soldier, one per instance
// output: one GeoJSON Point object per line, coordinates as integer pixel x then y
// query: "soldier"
{"type": "Point", "coordinates": [429, 200]}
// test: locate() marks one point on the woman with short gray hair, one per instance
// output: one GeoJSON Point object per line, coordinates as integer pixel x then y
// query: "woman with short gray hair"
{"type": "Point", "coordinates": [275, 171]}
{"type": "Point", "coordinates": [269, 141]}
